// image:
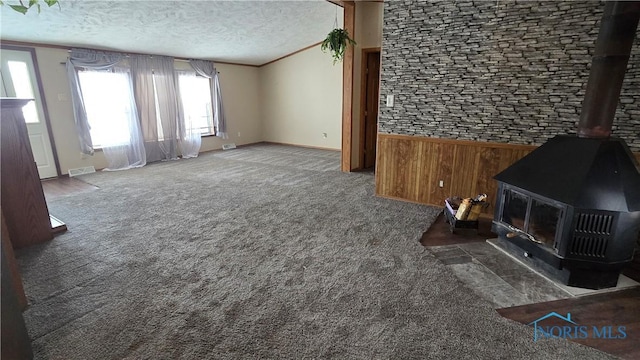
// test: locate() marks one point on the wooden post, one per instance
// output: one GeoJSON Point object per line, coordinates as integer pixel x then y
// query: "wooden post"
{"type": "Point", "coordinates": [16, 279]}
{"type": "Point", "coordinates": [347, 86]}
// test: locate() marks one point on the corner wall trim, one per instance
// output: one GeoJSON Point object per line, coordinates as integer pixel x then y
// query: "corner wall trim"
{"type": "Point", "coordinates": [347, 88]}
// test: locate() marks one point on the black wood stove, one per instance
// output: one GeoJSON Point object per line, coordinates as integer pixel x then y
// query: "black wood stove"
{"type": "Point", "coordinates": [572, 206]}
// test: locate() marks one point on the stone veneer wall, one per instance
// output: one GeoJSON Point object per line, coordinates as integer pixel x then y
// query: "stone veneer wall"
{"type": "Point", "coordinates": [510, 72]}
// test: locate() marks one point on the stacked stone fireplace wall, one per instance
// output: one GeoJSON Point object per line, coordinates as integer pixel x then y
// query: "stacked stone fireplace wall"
{"type": "Point", "coordinates": [505, 72]}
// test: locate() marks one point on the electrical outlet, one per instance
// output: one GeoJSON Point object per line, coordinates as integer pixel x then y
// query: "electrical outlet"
{"type": "Point", "coordinates": [238, 133]}
{"type": "Point", "coordinates": [389, 100]}
{"type": "Point", "coordinates": [441, 183]}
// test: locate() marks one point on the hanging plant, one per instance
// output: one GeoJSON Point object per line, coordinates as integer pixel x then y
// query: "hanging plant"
{"type": "Point", "coordinates": [337, 42]}
{"type": "Point", "coordinates": [24, 6]}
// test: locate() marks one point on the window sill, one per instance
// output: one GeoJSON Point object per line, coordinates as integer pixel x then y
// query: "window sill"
{"type": "Point", "coordinates": [207, 135]}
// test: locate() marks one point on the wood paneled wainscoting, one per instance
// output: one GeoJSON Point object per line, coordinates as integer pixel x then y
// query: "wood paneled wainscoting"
{"type": "Point", "coordinates": [411, 167]}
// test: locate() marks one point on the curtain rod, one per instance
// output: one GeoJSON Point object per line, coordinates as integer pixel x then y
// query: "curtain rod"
{"type": "Point", "coordinates": [127, 53]}
{"type": "Point", "coordinates": [130, 53]}
{"type": "Point", "coordinates": [174, 59]}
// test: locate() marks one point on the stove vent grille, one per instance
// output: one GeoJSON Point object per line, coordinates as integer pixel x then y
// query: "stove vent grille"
{"type": "Point", "coordinates": [594, 224]}
{"type": "Point", "coordinates": [591, 235]}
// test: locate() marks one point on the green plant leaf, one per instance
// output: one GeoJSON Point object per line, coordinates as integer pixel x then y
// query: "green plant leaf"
{"type": "Point", "coordinates": [51, 2]}
{"type": "Point", "coordinates": [19, 8]}
{"type": "Point", "coordinates": [337, 42]}
{"type": "Point", "coordinates": [32, 2]}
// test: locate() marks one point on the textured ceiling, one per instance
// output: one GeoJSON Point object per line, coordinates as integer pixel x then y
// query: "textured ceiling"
{"type": "Point", "coordinates": [246, 32]}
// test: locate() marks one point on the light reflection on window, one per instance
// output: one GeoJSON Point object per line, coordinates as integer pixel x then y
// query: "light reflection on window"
{"type": "Point", "coordinates": [195, 93]}
{"type": "Point", "coordinates": [107, 100]}
{"type": "Point", "coordinates": [24, 89]}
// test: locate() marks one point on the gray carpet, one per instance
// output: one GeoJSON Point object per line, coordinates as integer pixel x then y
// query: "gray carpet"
{"type": "Point", "coordinates": [260, 252]}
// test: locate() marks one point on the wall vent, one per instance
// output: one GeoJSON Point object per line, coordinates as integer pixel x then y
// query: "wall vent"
{"type": "Point", "coordinates": [228, 146]}
{"type": "Point", "coordinates": [81, 171]}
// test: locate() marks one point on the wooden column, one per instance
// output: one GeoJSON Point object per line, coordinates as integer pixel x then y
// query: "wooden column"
{"type": "Point", "coordinates": [347, 86]}
{"type": "Point", "coordinates": [15, 339]}
{"type": "Point", "coordinates": [16, 279]}
{"type": "Point", "coordinates": [23, 203]}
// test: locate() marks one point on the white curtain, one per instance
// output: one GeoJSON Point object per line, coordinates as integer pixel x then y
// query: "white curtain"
{"type": "Point", "coordinates": [115, 114]}
{"type": "Point", "coordinates": [190, 137]}
{"type": "Point", "coordinates": [131, 154]}
{"type": "Point", "coordinates": [155, 124]}
{"type": "Point", "coordinates": [108, 100]}
{"type": "Point", "coordinates": [208, 70]}
{"type": "Point", "coordinates": [87, 59]}
{"type": "Point", "coordinates": [154, 84]}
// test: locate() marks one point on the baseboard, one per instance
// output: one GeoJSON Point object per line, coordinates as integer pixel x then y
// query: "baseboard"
{"type": "Point", "coordinates": [299, 145]}
{"type": "Point", "coordinates": [237, 146]}
{"type": "Point", "coordinates": [408, 201]}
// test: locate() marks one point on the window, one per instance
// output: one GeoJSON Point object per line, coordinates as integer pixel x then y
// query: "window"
{"type": "Point", "coordinates": [195, 93]}
{"type": "Point", "coordinates": [22, 85]}
{"type": "Point", "coordinates": [108, 101]}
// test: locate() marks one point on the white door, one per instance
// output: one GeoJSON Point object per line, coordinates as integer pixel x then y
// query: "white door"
{"type": "Point", "coordinates": [19, 80]}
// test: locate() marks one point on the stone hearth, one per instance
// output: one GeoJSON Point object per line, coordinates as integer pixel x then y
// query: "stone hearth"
{"type": "Point", "coordinates": [503, 280]}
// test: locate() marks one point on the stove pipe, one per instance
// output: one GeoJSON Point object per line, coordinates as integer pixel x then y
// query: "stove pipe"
{"type": "Point", "coordinates": [609, 64]}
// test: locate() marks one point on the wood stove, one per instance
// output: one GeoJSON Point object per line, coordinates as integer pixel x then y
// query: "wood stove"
{"type": "Point", "coordinates": [572, 206]}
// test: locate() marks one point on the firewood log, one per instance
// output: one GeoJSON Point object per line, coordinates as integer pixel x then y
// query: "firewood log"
{"type": "Point", "coordinates": [464, 209]}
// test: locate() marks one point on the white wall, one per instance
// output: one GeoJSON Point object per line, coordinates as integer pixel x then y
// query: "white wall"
{"type": "Point", "coordinates": [239, 85]}
{"type": "Point", "coordinates": [368, 34]}
{"type": "Point", "coordinates": [241, 100]}
{"type": "Point", "coordinates": [301, 98]}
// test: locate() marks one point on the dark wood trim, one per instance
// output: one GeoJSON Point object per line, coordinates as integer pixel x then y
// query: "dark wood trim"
{"type": "Point", "coordinates": [302, 146]}
{"type": "Point", "coordinates": [220, 62]}
{"type": "Point", "coordinates": [458, 142]}
{"type": "Point", "coordinates": [45, 109]}
{"type": "Point", "coordinates": [363, 87]}
{"type": "Point", "coordinates": [291, 54]}
{"type": "Point", "coordinates": [403, 199]}
{"type": "Point", "coordinates": [337, 2]}
{"type": "Point", "coordinates": [68, 48]}
{"type": "Point", "coordinates": [347, 88]}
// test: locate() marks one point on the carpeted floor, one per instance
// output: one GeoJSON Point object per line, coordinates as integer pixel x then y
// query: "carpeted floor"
{"type": "Point", "coordinates": [260, 252]}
